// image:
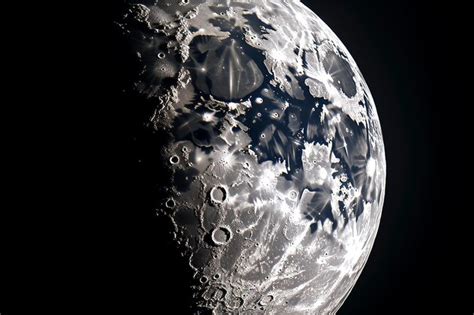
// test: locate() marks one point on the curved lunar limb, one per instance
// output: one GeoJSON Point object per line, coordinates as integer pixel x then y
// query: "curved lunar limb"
{"type": "Point", "coordinates": [272, 146]}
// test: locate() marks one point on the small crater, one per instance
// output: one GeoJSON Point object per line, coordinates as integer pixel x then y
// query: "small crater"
{"type": "Point", "coordinates": [259, 100]}
{"type": "Point", "coordinates": [293, 195]}
{"type": "Point", "coordinates": [170, 203]}
{"type": "Point", "coordinates": [203, 279]}
{"type": "Point", "coordinates": [221, 235]}
{"type": "Point", "coordinates": [216, 276]}
{"type": "Point", "coordinates": [218, 194]}
{"type": "Point", "coordinates": [161, 55]}
{"type": "Point", "coordinates": [174, 159]}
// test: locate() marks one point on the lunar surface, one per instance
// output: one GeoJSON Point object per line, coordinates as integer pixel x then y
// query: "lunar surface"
{"type": "Point", "coordinates": [272, 147]}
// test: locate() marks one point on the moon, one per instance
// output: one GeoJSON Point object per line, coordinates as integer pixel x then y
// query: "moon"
{"type": "Point", "coordinates": [272, 150]}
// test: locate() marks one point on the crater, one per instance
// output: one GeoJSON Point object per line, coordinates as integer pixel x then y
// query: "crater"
{"type": "Point", "coordinates": [174, 159]}
{"type": "Point", "coordinates": [170, 203]}
{"type": "Point", "coordinates": [218, 194]}
{"type": "Point", "coordinates": [293, 195]}
{"type": "Point", "coordinates": [221, 235]}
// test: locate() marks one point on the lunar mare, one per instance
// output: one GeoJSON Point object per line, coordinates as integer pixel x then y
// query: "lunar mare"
{"type": "Point", "coordinates": [273, 150]}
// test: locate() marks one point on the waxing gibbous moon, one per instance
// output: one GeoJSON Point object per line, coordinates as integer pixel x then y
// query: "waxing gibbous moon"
{"type": "Point", "coordinates": [274, 156]}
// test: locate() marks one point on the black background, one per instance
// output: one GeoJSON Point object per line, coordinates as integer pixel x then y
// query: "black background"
{"type": "Point", "coordinates": [105, 252]}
